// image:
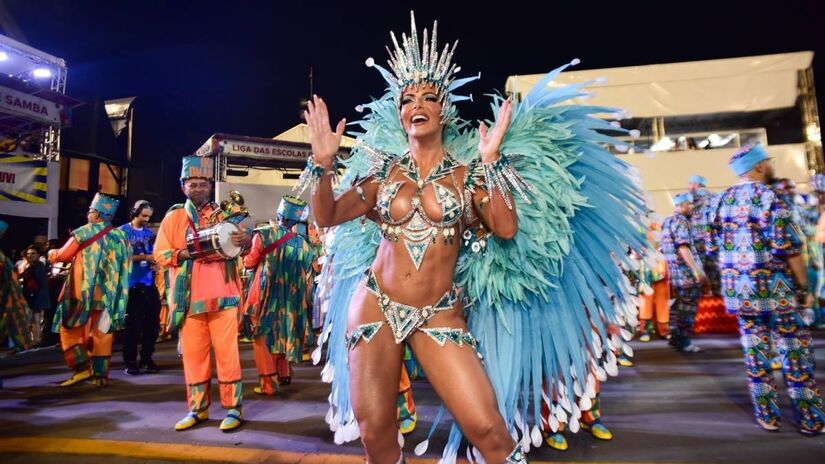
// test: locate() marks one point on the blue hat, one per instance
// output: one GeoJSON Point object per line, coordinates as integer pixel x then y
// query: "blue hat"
{"type": "Point", "coordinates": [4, 226]}
{"type": "Point", "coordinates": [746, 158]}
{"type": "Point", "coordinates": [104, 205]}
{"type": "Point", "coordinates": [293, 208]}
{"type": "Point", "coordinates": [680, 198]}
{"type": "Point", "coordinates": [699, 180]}
{"type": "Point", "coordinates": [197, 166]}
{"type": "Point", "coordinates": [818, 182]}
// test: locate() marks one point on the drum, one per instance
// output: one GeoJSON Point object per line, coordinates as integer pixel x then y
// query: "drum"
{"type": "Point", "coordinates": [213, 243]}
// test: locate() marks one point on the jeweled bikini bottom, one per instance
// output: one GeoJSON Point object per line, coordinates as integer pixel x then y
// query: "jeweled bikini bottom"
{"type": "Point", "coordinates": [404, 319]}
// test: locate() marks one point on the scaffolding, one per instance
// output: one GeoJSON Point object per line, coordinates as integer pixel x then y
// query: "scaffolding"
{"type": "Point", "coordinates": [810, 120]}
{"type": "Point", "coordinates": [41, 75]}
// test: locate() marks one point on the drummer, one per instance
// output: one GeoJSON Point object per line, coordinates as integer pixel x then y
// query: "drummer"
{"type": "Point", "coordinates": [203, 299]}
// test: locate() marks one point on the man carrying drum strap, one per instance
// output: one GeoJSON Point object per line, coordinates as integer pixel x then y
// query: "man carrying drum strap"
{"type": "Point", "coordinates": [203, 298]}
{"type": "Point", "coordinates": [278, 294]}
{"type": "Point", "coordinates": [93, 302]}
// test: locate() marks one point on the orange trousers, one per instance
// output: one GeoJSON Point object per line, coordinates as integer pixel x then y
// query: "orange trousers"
{"type": "Point", "coordinates": [271, 366]}
{"type": "Point", "coordinates": [657, 305]}
{"type": "Point", "coordinates": [79, 344]}
{"type": "Point", "coordinates": [200, 334]}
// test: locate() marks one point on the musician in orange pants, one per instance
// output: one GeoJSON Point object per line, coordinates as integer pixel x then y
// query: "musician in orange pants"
{"type": "Point", "coordinates": [203, 297]}
{"type": "Point", "coordinates": [278, 295]}
{"type": "Point", "coordinates": [655, 300]}
{"type": "Point", "coordinates": [94, 297]}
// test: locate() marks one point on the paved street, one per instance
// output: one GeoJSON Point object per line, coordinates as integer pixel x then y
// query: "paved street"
{"type": "Point", "coordinates": [669, 407]}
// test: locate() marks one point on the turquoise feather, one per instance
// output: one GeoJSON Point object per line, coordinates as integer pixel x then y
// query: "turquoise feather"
{"type": "Point", "coordinates": [541, 303]}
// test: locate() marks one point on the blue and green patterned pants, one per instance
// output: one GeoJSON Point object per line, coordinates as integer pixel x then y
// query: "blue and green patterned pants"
{"type": "Point", "coordinates": [682, 314]}
{"type": "Point", "coordinates": [795, 347]}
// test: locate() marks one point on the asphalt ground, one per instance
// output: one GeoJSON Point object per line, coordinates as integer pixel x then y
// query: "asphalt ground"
{"type": "Point", "coordinates": [668, 407]}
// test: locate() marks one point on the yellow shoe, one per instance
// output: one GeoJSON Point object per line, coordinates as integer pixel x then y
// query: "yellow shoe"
{"type": "Point", "coordinates": [408, 425]}
{"type": "Point", "coordinates": [100, 382]}
{"type": "Point", "coordinates": [556, 441]}
{"type": "Point", "coordinates": [192, 419]}
{"type": "Point", "coordinates": [77, 378]}
{"type": "Point", "coordinates": [624, 361]}
{"type": "Point", "coordinates": [598, 430]}
{"type": "Point", "coordinates": [233, 420]}
{"type": "Point", "coordinates": [776, 364]}
{"type": "Point", "coordinates": [260, 391]}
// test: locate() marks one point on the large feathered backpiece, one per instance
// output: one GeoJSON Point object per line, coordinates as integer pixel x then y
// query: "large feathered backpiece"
{"type": "Point", "coordinates": [550, 306]}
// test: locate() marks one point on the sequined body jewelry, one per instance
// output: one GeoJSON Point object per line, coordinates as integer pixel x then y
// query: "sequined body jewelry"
{"type": "Point", "coordinates": [313, 173]}
{"type": "Point", "coordinates": [416, 229]}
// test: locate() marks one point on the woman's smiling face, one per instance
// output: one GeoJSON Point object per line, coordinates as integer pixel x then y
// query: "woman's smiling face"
{"type": "Point", "coordinates": [420, 109]}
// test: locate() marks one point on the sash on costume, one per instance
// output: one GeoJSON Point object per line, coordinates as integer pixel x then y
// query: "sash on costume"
{"type": "Point", "coordinates": [281, 289]}
{"type": "Point", "coordinates": [269, 249]}
{"type": "Point", "coordinates": [181, 297]}
{"type": "Point", "coordinates": [261, 279]}
{"type": "Point", "coordinates": [183, 278]}
{"type": "Point", "coordinates": [94, 239]}
{"type": "Point", "coordinates": [104, 259]}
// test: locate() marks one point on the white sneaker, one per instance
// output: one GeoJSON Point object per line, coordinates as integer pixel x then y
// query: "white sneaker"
{"type": "Point", "coordinates": [692, 349]}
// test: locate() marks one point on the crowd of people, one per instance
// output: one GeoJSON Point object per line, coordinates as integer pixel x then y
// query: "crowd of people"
{"type": "Point", "coordinates": [145, 287]}
{"type": "Point", "coordinates": [758, 246]}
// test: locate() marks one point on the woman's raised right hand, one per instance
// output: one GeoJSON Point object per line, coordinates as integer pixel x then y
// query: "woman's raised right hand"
{"type": "Point", "coordinates": [324, 141]}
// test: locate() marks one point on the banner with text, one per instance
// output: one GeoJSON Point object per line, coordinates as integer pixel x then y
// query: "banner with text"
{"type": "Point", "coordinates": [30, 106]}
{"type": "Point", "coordinates": [273, 150]}
{"type": "Point", "coordinates": [23, 179]}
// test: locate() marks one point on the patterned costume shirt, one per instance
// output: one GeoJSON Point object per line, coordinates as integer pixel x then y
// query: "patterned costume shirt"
{"type": "Point", "coordinates": [753, 235]}
{"type": "Point", "coordinates": [676, 233]}
{"type": "Point", "coordinates": [699, 220]}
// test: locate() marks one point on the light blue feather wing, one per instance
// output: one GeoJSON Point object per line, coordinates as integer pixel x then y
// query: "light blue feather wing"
{"type": "Point", "coordinates": [545, 305]}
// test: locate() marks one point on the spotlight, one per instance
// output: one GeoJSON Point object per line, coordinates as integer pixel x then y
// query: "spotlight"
{"type": "Point", "coordinates": [42, 72]}
{"type": "Point", "coordinates": [4, 56]}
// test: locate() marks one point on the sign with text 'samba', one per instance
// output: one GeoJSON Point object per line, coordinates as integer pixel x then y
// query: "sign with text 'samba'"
{"type": "Point", "coordinates": [29, 106]}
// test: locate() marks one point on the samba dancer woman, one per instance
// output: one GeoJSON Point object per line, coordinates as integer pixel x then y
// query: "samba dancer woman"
{"type": "Point", "coordinates": [421, 194]}
{"type": "Point", "coordinates": [439, 193]}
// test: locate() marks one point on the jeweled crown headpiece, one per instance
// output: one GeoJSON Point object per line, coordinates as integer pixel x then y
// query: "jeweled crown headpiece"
{"type": "Point", "coordinates": [414, 63]}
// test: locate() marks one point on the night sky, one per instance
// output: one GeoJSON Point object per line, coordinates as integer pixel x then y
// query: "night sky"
{"type": "Point", "coordinates": [241, 67]}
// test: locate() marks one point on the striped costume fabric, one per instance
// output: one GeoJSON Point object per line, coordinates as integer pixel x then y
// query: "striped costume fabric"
{"type": "Point", "coordinates": [14, 311]}
{"type": "Point", "coordinates": [280, 291]}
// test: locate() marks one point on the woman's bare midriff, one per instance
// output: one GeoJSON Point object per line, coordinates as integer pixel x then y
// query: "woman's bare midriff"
{"type": "Point", "coordinates": [402, 282]}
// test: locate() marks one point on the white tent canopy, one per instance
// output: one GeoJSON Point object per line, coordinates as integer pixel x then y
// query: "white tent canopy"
{"type": "Point", "coordinates": [752, 83]}
{"type": "Point", "coordinates": [665, 174]}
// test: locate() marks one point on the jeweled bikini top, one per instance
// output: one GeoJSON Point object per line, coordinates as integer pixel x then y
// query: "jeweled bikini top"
{"type": "Point", "coordinates": [416, 228]}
